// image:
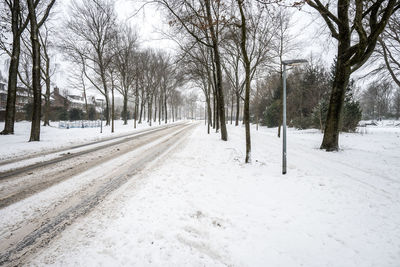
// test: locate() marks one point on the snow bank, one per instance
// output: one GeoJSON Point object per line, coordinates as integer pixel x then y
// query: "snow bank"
{"type": "Point", "coordinates": [52, 138]}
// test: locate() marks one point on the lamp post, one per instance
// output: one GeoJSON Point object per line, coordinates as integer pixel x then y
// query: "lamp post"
{"type": "Point", "coordinates": [285, 63]}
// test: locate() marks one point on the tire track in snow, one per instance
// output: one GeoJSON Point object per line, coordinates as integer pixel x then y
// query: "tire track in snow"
{"type": "Point", "coordinates": [40, 236]}
{"type": "Point", "coordinates": [72, 164]}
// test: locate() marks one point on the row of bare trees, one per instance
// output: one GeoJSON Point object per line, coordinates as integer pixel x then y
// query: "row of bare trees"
{"type": "Point", "coordinates": [224, 44]}
{"type": "Point", "coordinates": [104, 54]}
{"type": "Point", "coordinates": [108, 55]}
{"type": "Point", "coordinates": [228, 43]}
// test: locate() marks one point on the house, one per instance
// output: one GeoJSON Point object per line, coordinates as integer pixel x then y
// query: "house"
{"type": "Point", "coordinates": [69, 101]}
{"type": "Point", "coordinates": [24, 97]}
{"type": "Point", "coordinates": [76, 101]}
{"type": "Point", "coordinates": [58, 100]}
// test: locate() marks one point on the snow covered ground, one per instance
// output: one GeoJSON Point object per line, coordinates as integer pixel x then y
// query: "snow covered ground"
{"type": "Point", "coordinates": [202, 206]}
{"type": "Point", "coordinates": [56, 138]}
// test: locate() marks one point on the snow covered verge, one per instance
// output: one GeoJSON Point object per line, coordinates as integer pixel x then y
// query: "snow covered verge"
{"type": "Point", "coordinates": [204, 207]}
{"type": "Point", "coordinates": [53, 138]}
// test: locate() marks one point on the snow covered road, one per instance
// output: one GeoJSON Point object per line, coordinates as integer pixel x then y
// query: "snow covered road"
{"type": "Point", "coordinates": [74, 187]}
{"type": "Point", "coordinates": [204, 207]}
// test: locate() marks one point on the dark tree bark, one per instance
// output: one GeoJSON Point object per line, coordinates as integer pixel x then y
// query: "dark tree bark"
{"type": "Point", "coordinates": [36, 71]}
{"type": "Point", "coordinates": [125, 109]}
{"type": "Point", "coordinates": [155, 109]}
{"type": "Point", "coordinates": [112, 104]}
{"type": "Point", "coordinates": [247, 67]}
{"type": "Point", "coordinates": [159, 110]}
{"type": "Point", "coordinates": [237, 109]}
{"type": "Point", "coordinates": [165, 109]}
{"type": "Point", "coordinates": [18, 25]}
{"type": "Point", "coordinates": [37, 94]}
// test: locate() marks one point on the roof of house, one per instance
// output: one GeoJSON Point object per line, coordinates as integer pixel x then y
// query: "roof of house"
{"type": "Point", "coordinates": [75, 101]}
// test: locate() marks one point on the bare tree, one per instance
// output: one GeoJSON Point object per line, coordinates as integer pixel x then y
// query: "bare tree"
{"type": "Point", "coordinates": [261, 29]}
{"type": "Point", "coordinates": [77, 80]}
{"type": "Point", "coordinates": [171, 78]}
{"type": "Point", "coordinates": [389, 50]}
{"type": "Point", "coordinates": [15, 19]}
{"type": "Point", "coordinates": [47, 70]}
{"type": "Point", "coordinates": [356, 25]}
{"type": "Point", "coordinates": [91, 30]}
{"type": "Point", "coordinates": [376, 100]}
{"type": "Point", "coordinates": [196, 59]}
{"type": "Point", "coordinates": [202, 21]}
{"type": "Point", "coordinates": [126, 45]}
{"type": "Point", "coordinates": [36, 23]}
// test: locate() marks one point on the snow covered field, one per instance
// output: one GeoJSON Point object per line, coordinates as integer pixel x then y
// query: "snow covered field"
{"type": "Point", "coordinates": [201, 206]}
{"type": "Point", "coordinates": [56, 138]}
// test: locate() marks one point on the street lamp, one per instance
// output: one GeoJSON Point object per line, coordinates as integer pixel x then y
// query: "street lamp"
{"type": "Point", "coordinates": [292, 62]}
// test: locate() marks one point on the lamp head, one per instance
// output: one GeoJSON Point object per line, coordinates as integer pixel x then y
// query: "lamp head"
{"type": "Point", "coordinates": [294, 62]}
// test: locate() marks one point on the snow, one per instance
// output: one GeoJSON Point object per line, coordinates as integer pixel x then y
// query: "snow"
{"type": "Point", "coordinates": [40, 205]}
{"type": "Point", "coordinates": [202, 206]}
{"type": "Point", "coordinates": [54, 138]}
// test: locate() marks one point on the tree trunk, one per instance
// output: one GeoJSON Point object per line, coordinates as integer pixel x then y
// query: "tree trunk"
{"type": "Point", "coordinates": [165, 109]}
{"type": "Point", "coordinates": [13, 72]}
{"type": "Point", "coordinates": [217, 116]}
{"type": "Point", "coordinates": [214, 112]}
{"type": "Point", "coordinates": [224, 133]}
{"type": "Point", "coordinates": [330, 141]}
{"type": "Point", "coordinates": [37, 94]}
{"type": "Point", "coordinates": [107, 110]}
{"type": "Point", "coordinates": [232, 110]}
{"type": "Point", "coordinates": [125, 108]}
{"type": "Point", "coordinates": [159, 110]}
{"type": "Point", "coordinates": [155, 109]}
{"type": "Point", "coordinates": [209, 115]}
{"type": "Point", "coordinates": [47, 95]}
{"type": "Point", "coordinates": [246, 62]}
{"type": "Point", "coordinates": [47, 102]}
{"type": "Point", "coordinates": [141, 111]}
{"type": "Point", "coordinates": [237, 109]}
{"type": "Point", "coordinates": [135, 114]}
{"type": "Point", "coordinates": [150, 111]}
{"type": "Point", "coordinates": [172, 113]}
{"type": "Point", "coordinates": [112, 106]}
{"type": "Point", "coordinates": [280, 115]}
{"type": "Point", "coordinates": [86, 103]}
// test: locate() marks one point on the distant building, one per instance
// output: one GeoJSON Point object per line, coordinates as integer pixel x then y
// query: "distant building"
{"type": "Point", "coordinates": [24, 97]}
{"type": "Point", "coordinates": [58, 100]}
{"type": "Point", "coordinates": [76, 101]}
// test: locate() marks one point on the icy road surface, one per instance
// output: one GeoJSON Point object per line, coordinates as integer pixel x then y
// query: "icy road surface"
{"type": "Point", "coordinates": [202, 206]}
